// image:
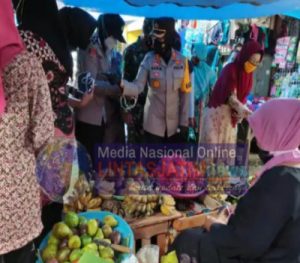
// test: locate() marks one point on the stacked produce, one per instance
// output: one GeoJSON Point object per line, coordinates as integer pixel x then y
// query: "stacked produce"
{"type": "Point", "coordinates": [146, 205]}
{"type": "Point", "coordinates": [82, 198]}
{"type": "Point", "coordinates": [70, 239]}
{"type": "Point", "coordinates": [114, 206]}
{"type": "Point", "coordinates": [130, 179]}
{"type": "Point", "coordinates": [179, 177]}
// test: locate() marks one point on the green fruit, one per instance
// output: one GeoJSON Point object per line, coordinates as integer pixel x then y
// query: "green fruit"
{"type": "Point", "coordinates": [61, 230]}
{"type": "Point", "coordinates": [71, 219]}
{"type": "Point", "coordinates": [49, 252]}
{"type": "Point", "coordinates": [91, 246]}
{"type": "Point", "coordinates": [99, 234]}
{"type": "Point", "coordinates": [75, 254]}
{"type": "Point", "coordinates": [63, 255]}
{"type": "Point", "coordinates": [74, 242]}
{"type": "Point", "coordinates": [107, 230]}
{"type": "Point", "coordinates": [85, 240]}
{"type": "Point", "coordinates": [91, 250]}
{"type": "Point", "coordinates": [110, 221]}
{"type": "Point", "coordinates": [108, 260]}
{"type": "Point", "coordinates": [82, 220]}
{"type": "Point", "coordinates": [92, 227]}
{"type": "Point", "coordinates": [107, 241]}
{"type": "Point", "coordinates": [53, 260]}
{"type": "Point", "coordinates": [107, 252]}
{"type": "Point", "coordinates": [53, 241]}
{"type": "Point", "coordinates": [100, 247]}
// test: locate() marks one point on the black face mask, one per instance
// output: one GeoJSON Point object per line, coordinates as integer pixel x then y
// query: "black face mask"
{"type": "Point", "coordinates": [159, 47]}
{"type": "Point", "coordinates": [148, 42]}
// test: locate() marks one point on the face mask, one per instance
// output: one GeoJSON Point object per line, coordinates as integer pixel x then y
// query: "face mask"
{"type": "Point", "coordinates": [110, 43]}
{"type": "Point", "coordinates": [249, 67]}
{"type": "Point", "coordinates": [159, 47]}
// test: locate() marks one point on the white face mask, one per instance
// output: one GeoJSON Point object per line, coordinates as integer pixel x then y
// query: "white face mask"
{"type": "Point", "coordinates": [110, 43]}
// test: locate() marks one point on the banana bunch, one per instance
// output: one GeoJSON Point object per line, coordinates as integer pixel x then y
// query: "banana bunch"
{"type": "Point", "coordinates": [140, 205]}
{"type": "Point", "coordinates": [82, 185]}
{"type": "Point", "coordinates": [83, 202]}
{"type": "Point", "coordinates": [217, 191]}
{"type": "Point", "coordinates": [167, 206]}
{"type": "Point", "coordinates": [113, 206]}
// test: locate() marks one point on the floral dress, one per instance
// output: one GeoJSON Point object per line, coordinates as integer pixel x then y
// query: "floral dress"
{"type": "Point", "coordinates": [25, 127]}
{"type": "Point", "coordinates": [57, 79]}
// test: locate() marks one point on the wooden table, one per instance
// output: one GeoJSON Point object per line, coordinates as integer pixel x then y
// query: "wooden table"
{"type": "Point", "coordinates": [157, 225]}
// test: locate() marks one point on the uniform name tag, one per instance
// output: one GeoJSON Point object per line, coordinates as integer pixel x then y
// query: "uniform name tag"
{"type": "Point", "coordinates": [156, 68]}
{"type": "Point", "coordinates": [179, 67]}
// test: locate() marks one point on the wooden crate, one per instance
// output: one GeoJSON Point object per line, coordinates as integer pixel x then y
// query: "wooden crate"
{"type": "Point", "coordinates": [156, 226]}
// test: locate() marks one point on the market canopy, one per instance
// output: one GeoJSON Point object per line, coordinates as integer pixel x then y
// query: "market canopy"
{"type": "Point", "coordinates": [192, 9]}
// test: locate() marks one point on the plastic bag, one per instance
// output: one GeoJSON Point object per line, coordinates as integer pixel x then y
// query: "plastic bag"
{"type": "Point", "coordinates": [131, 259]}
{"type": "Point", "coordinates": [170, 258]}
{"type": "Point", "coordinates": [148, 254]}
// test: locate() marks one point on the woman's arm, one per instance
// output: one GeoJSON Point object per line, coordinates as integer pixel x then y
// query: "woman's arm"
{"type": "Point", "coordinates": [259, 218]}
{"type": "Point", "coordinates": [242, 111]}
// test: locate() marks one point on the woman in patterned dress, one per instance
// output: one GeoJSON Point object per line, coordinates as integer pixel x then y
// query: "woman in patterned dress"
{"type": "Point", "coordinates": [226, 104]}
{"type": "Point", "coordinates": [26, 124]}
{"type": "Point", "coordinates": [45, 35]}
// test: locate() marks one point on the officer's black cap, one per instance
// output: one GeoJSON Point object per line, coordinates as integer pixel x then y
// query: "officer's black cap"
{"type": "Point", "coordinates": [164, 23]}
{"type": "Point", "coordinates": [114, 26]}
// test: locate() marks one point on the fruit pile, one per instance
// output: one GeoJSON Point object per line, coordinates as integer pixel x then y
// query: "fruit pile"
{"type": "Point", "coordinates": [70, 239]}
{"type": "Point", "coordinates": [179, 177]}
{"type": "Point", "coordinates": [146, 205]}
{"type": "Point", "coordinates": [82, 198]}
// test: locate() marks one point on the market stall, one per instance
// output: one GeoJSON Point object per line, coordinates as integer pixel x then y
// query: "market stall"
{"type": "Point", "coordinates": [144, 206]}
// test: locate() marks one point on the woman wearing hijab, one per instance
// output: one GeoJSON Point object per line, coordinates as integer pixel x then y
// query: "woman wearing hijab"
{"type": "Point", "coordinates": [226, 105]}
{"type": "Point", "coordinates": [266, 223]}
{"type": "Point", "coordinates": [203, 81]}
{"type": "Point", "coordinates": [50, 36]}
{"type": "Point", "coordinates": [26, 124]}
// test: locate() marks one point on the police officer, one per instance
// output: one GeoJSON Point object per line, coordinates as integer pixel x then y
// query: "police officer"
{"type": "Point", "coordinates": [100, 120]}
{"type": "Point", "coordinates": [133, 57]}
{"type": "Point", "coordinates": [166, 71]}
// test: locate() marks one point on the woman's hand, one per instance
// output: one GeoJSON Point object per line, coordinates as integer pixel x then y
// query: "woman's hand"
{"type": "Point", "coordinates": [86, 99]}
{"type": "Point", "coordinates": [209, 221]}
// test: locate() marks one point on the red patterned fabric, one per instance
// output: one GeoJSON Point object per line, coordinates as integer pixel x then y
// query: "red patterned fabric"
{"type": "Point", "coordinates": [25, 127]}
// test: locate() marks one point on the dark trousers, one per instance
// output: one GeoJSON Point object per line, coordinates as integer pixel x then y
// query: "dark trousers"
{"type": "Point", "coordinates": [150, 138]}
{"type": "Point", "coordinates": [187, 245]}
{"type": "Point", "coordinates": [26, 254]}
{"type": "Point", "coordinates": [51, 214]}
{"type": "Point", "coordinates": [89, 136]}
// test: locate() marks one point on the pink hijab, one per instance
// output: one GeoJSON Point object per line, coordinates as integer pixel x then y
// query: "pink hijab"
{"type": "Point", "coordinates": [276, 126]}
{"type": "Point", "coordinates": [10, 43]}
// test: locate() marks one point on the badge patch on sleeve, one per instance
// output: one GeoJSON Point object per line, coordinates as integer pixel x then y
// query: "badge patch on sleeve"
{"type": "Point", "coordinates": [186, 86]}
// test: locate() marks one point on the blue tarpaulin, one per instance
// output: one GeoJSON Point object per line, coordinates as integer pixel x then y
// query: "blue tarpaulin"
{"type": "Point", "coordinates": [192, 9]}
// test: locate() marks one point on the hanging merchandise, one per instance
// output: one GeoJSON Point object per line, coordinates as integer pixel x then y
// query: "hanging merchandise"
{"type": "Point", "coordinates": [225, 32]}
{"type": "Point", "coordinates": [191, 36]}
{"type": "Point", "coordinates": [281, 52]}
{"type": "Point", "coordinates": [286, 84]}
{"type": "Point", "coordinates": [292, 50]}
{"type": "Point", "coordinates": [298, 54]}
